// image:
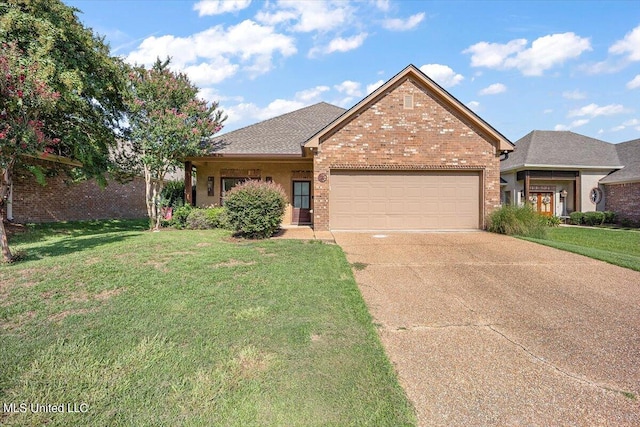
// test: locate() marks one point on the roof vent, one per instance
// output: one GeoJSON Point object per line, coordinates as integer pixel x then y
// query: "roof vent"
{"type": "Point", "coordinates": [408, 102]}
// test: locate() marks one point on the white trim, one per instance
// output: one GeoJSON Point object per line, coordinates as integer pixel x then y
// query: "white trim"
{"type": "Point", "coordinates": [553, 167]}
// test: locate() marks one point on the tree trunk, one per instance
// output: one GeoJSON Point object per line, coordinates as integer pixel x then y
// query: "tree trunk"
{"type": "Point", "coordinates": [159, 188]}
{"type": "Point", "coordinates": [5, 187]}
{"type": "Point", "coordinates": [148, 195]}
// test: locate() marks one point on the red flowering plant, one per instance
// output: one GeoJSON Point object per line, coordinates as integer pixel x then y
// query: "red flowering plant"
{"type": "Point", "coordinates": [25, 98]}
{"type": "Point", "coordinates": [168, 122]}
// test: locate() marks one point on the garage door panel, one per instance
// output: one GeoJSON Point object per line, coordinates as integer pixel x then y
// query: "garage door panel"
{"type": "Point", "coordinates": [394, 200]}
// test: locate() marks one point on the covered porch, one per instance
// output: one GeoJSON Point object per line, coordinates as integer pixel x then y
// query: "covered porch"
{"type": "Point", "coordinates": [215, 176]}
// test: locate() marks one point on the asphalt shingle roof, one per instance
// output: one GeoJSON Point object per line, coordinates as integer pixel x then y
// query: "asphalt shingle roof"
{"type": "Point", "coordinates": [629, 154]}
{"type": "Point", "coordinates": [283, 134]}
{"type": "Point", "coordinates": [561, 149]}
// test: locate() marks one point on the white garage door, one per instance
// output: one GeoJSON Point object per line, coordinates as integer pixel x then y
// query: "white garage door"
{"type": "Point", "coordinates": [395, 200]}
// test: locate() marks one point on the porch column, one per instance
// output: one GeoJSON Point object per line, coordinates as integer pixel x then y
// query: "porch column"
{"type": "Point", "coordinates": [188, 186]}
{"type": "Point", "coordinates": [527, 182]}
{"type": "Point", "coordinates": [577, 199]}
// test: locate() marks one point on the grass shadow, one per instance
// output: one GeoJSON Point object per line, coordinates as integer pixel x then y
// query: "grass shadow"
{"type": "Point", "coordinates": [71, 245]}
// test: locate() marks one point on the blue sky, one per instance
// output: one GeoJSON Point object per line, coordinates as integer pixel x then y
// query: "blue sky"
{"type": "Point", "coordinates": [522, 66]}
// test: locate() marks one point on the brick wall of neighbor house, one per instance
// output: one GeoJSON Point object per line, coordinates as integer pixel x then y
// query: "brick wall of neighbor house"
{"type": "Point", "coordinates": [623, 199]}
{"type": "Point", "coordinates": [387, 136]}
{"type": "Point", "coordinates": [60, 201]}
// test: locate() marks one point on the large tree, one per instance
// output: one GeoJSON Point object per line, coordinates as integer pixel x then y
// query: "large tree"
{"type": "Point", "coordinates": [25, 97]}
{"type": "Point", "coordinates": [168, 122]}
{"type": "Point", "coordinates": [58, 55]}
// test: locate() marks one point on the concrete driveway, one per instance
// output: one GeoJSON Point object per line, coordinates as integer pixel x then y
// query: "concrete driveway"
{"type": "Point", "coordinates": [485, 329]}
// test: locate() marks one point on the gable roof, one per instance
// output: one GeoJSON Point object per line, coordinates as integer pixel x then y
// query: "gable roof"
{"type": "Point", "coordinates": [561, 149]}
{"type": "Point", "coordinates": [411, 71]}
{"type": "Point", "coordinates": [281, 135]}
{"type": "Point", "coordinates": [629, 154]}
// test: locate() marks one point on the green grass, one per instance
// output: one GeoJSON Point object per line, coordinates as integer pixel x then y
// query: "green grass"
{"type": "Point", "coordinates": [189, 328]}
{"type": "Point", "coordinates": [618, 247]}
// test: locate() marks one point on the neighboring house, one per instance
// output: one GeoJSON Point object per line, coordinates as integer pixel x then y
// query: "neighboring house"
{"type": "Point", "coordinates": [561, 172]}
{"type": "Point", "coordinates": [63, 200]}
{"type": "Point", "coordinates": [409, 156]}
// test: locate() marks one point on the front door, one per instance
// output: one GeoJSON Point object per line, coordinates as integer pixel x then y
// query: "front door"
{"type": "Point", "coordinates": [543, 203]}
{"type": "Point", "coordinates": [301, 202]}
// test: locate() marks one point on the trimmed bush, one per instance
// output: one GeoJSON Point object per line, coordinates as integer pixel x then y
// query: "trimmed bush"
{"type": "Point", "coordinates": [217, 217]}
{"type": "Point", "coordinates": [255, 209]}
{"type": "Point", "coordinates": [198, 220]}
{"type": "Point", "coordinates": [576, 218]}
{"type": "Point", "coordinates": [610, 217]}
{"type": "Point", "coordinates": [519, 221]}
{"type": "Point", "coordinates": [180, 215]}
{"type": "Point", "coordinates": [593, 218]}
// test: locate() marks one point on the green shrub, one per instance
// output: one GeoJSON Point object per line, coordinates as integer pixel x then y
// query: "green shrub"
{"type": "Point", "coordinates": [217, 217]}
{"type": "Point", "coordinates": [199, 220]}
{"type": "Point", "coordinates": [552, 221]}
{"type": "Point", "coordinates": [593, 218]}
{"type": "Point", "coordinates": [629, 223]}
{"type": "Point", "coordinates": [179, 217]}
{"type": "Point", "coordinates": [519, 221]}
{"type": "Point", "coordinates": [173, 194]}
{"type": "Point", "coordinates": [255, 209]}
{"type": "Point", "coordinates": [576, 218]}
{"type": "Point", "coordinates": [609, 217]}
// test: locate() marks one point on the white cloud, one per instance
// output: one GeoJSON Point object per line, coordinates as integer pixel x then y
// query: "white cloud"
{"type": "Point", "coordinates": [383, 5]}
{"type": "Point", "coordinates": [617, 128]}
{"type": "Point", "coordinates": [544, 53]}
{"type": "Point", "coordinates": [442, 74]}
{"type": "Point", "coordinates": [548, 111]}
{"type": "Point", "coordinates": [246, 112]}
{"type": "Point", "coordinates": [493, 89]}
{"type": "Point", "coordinates": [339, 44]}
{"type": "Point", "coordinates": [207, 73]}
{"type": "Point", "coordinates": [493, 55]}
{"type": "Point", "coordinates": [308, 16]}
{"type": "Point", "coordinates": [217, 7]}
{"type": "Point", "coordinates": [574, 124]}
{"type": "Point", "coordinates": [313, 94]}
{"type": "Point", "coordinates": [634, 83]}
{"type": "Point", "coordinates": [574, 94]}
{"type": "Point", "coordinates": [251, 44]}
{"type": "Point", "coordinates": [349, 87]}
{"type": "Point", "coordinates": [397, 24]}
{"type": "Point", "coordinates": [629, 45]}
{"type": "Point", "coordinates": [632, 122]}
{"type": "Point", "coordinates": [374, 86]}
{"type": "Point", "coordinates": [473, 105]}
{"type": "Point", "coordinates": [594, 110]}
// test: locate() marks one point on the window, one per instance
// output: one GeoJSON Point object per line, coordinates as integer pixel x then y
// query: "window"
{"type": "Point", "coordinates": [227, 184]}
{"type": "Point", "coordinates": [506, 197]}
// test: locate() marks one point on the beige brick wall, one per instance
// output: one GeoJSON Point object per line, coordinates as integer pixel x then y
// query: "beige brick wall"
{"type": "Point", "coordinates": [60, 200]}
{"type": "Point", "coordinates": [387, 136]}
{"type": "Point", "coordinates": [624, 200]}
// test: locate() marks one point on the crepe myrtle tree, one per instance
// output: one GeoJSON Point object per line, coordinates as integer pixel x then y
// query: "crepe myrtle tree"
{"type": "Point", "coordinates": [167, 122]}
{"type": "Point", "coordinates": [25, 99]}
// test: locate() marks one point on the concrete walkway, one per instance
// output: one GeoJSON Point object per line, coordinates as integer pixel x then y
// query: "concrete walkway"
{"type": "Point", "coordinates": [486, 329]}
{"type": "Point", "coordinates": [303, 232]}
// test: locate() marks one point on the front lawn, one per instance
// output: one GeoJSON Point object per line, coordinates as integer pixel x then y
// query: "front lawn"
{"type": "Point", "coordinates": [130, 327]}
{"type": "Point", "coordinates": [619, 247]}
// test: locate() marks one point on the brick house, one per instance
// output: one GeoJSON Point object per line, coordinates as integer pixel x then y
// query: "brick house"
{"type": "Point", "coordinates": [409, 156]}
{"type": "Point", "coordinates": [62, 200]}
{"type": "Point", "coordinates": [561, 172]}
